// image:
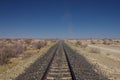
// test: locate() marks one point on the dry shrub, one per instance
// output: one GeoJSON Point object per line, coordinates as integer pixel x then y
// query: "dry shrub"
{"type": "Point", "coordinates": [27, 54]}
{"type": "Point", "coordinates": [93, 42]}
{"type": "Point", "coordinates": [10, 51]}
{"type": "Point", "coordinates": [106, 42]}
{"type": "Point", "coordinates": [78, 43]}
{"type": "Point", "coordinates": [94, 50]}
{"type": "Point", "coordinates": [28, 41]}
{"type": "Point", "coordinates": [19, 48]}
{"type": "Point", "coordinates": [82, 45]}
{"type": "Point", "coordinates": [10, 48]}
{"type": "Point", "coordinates": [108, 54]}
{"type": "Point", "coordinates": [39, 44]}
{"type": "Point", "coordinates": [117, 41]}
{"type": "Point", "coordinates": [5, 54]}
{"type": "Point", "coordinates": [1, 45]}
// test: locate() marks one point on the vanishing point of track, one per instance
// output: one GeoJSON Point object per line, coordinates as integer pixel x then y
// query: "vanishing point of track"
{"type": "Point", "coordinates": [61, 62]}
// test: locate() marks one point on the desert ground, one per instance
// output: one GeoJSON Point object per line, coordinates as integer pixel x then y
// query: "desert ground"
{"type": "Point", "coordinates": [103, 53]}
{"type": "Point", "coordinates": [18, 54]}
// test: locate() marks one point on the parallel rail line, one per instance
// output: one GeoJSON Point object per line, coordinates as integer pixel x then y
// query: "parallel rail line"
{"type": "Point", "coordinates": [59, 67]}
{"type": "Point", "coordinates": [61, 63]}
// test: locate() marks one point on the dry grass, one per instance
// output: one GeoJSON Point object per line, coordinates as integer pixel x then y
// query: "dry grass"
{"type": "Point", "coordinates": [5, 67]}
{"type": "Point", "coordinates": [94, 50]}
{"type": "Point", "coordinates": [15, 48]}
{"type": "Point", "coordinates": [39, 44]}
{"type": "Point", "coordinates": [104, 54]}
{"type": "Point", "coordinates": [81, 44]}
{"type": "Point", "coordinates": [10, 51]}
{"type": "Point", "coordinates": [19, 64]}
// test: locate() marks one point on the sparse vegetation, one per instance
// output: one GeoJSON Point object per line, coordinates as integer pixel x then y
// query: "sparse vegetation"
{"type": "Point", "coordinates": [82, 45]}
{"type": "Point", "coordinates": [10, 51]}
{"type": "Point", "coordinates": [39, 44]}
{"type": "Point", "coordinates": [107, 42]}
{"type": "Point", "coordinates": [13, 48]}
{"type": "Point", "coordinates": [108, 54]}
{"type": "Point", "coordinates": [78, 43]}
{"type": "Point", "coordinates": [94, 50]}
{"type": "Point", "coordinates": [92, 42]}
{"type": "Point", "coordinates": [28, 41]}
{"type": "Point", "coordinates": [103, 53]}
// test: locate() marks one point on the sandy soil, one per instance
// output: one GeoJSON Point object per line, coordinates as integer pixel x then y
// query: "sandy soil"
{"type": "Point", "coordinates": [23, 64]}
{"type": "Point", "coordinates": [107, 61]}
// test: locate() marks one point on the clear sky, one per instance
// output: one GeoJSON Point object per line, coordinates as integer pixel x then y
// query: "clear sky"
{"type": "Point", "coordinates": [59, 18]}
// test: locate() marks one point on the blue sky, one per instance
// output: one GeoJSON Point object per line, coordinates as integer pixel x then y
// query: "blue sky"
{"type": "Point", "coordinates": [59, 18]}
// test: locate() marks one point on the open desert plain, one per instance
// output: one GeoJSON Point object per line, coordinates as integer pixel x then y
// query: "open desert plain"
{"type": "Point", "coordinates": [18, 54]}
{"type": "Point", "coordinates": [52, 59]}
{"type": "Point", "coordinates": [104, 54]}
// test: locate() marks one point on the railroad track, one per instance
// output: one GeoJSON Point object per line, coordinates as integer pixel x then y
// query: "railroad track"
{"type": "Point", "coordinates": [61, 63]}
{"type": "Point", "coordinates": [59, 67]}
